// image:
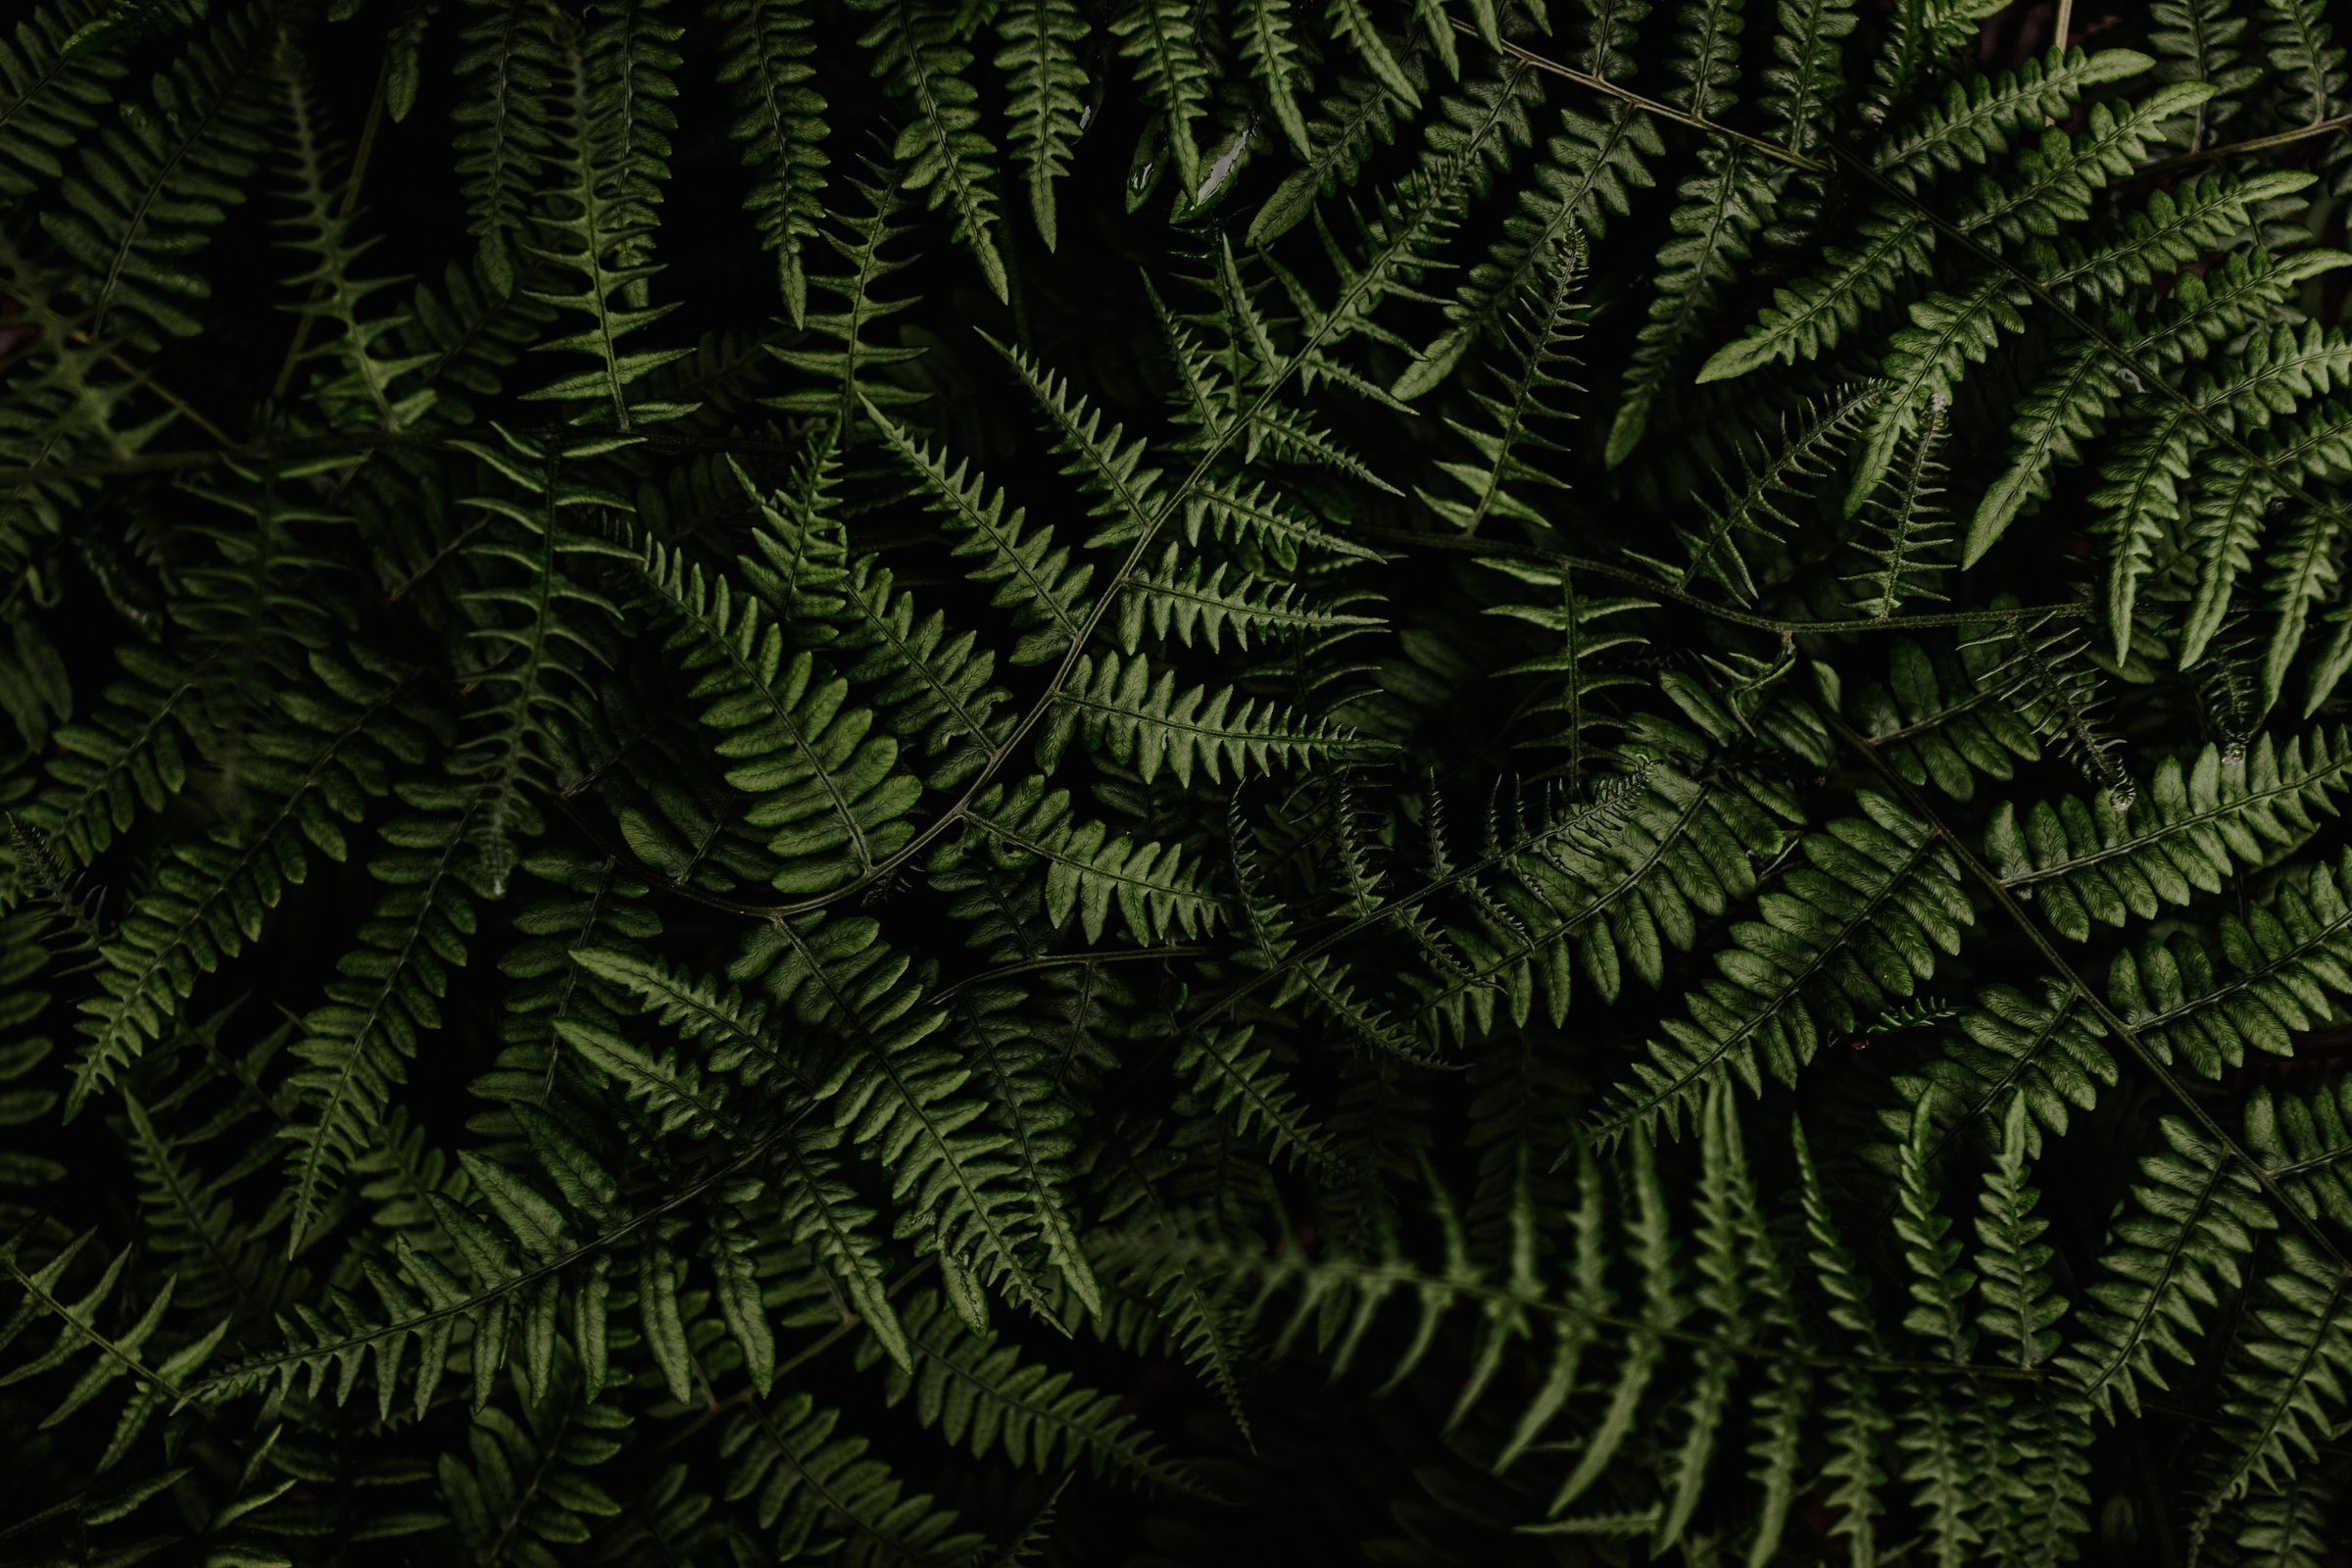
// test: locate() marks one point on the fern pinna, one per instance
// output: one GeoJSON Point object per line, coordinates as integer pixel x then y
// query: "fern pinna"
{"type": "Point", "coordinates": [985, 781]}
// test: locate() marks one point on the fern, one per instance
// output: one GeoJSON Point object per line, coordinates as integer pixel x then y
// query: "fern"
{"type": "Point", "coordinates": [805, 755]}
{"type": "Point", "coordinates": [780, 121]}
{"type": "Point", "coordinates": [1040, 57]}
{"type": "Point", "coordinates": [388, 993]}
{"type": "Point", "coordinates": [942, 152]}
{"type": "Point", "coordinates": [509, 54]}
{"type": "Point", "coordinates": [2193, 826]}
{"type": "Point", "coordinates": [209, 896]}
{"type": "Point", "coordinates": [1493, 783]}
{"type": "Point", "coordinates": [1876, 885]}
{"type": "Point", "coordinates": [147, 190]}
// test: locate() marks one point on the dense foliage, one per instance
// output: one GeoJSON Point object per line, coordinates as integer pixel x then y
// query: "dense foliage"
{"type": "Point", "coordinates": [1174, 782]}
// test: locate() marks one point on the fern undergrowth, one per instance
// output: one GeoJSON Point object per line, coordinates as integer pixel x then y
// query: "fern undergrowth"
{"type": "Point", "coordinates": [986, 781]}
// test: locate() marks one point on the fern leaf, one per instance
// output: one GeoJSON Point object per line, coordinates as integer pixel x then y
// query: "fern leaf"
{"type": "Point", "coordinates": [901, 1098]}
{"type": "Point", "coordinates": [1856, 928]}
{"type": "Point", "coordinates": [1045, 79]}
{"type": "Point", "coordinates": [2293, 1354]}
{"type": "Point", "coordinates": [355, 1045]}
{"type": "Point", "coordinates": [2192, 827]}
{"type": "Point", "coordinates": [209, 897]}
{"type": "Point", "coordinates": [505, 137]}
{"type": "Point", "coordinates": [1089, 870]}
{"type": "Point", "coordinates": [2079, 391]}
{"type": "Point", "coordinates": [52, 94]}
{"type": "Point", "coordinates": [980, 1393]}
{"type": "Point", "coordinates": [1718, 210]}
{"type": "Point", "coordinates": [1159, 36]}
{"type": "Point", "coordinates": [940, 150]}
{"type": "Point", "coordinates": [811, 1481]}
{"type": "Point", "coordinates": [1148, 720]}
{"type": "Point", "coordinates": [830, 790]}
{"type": "Point", "coordinates": [779, 118]}
{"type": "Point", "coordinates": [2281, 966]}
{"type": "Point", "coordinates": [1036, 579]}
{"type": "Point", "coordinates": [146, 193]}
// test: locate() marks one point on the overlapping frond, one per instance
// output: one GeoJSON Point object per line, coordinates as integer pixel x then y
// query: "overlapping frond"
{"type": "Point", "coordinates": [1004, 734]}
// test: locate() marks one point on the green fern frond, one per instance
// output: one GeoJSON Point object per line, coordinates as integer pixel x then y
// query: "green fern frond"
{"type": "Point", "coordinates": [814, 1484]}
{"type": "Point", "coordinates": [364, 392]}
{"type": "Point", "coordinates": [1340, 141]}
{"type": "Point", "coordinates": [2194, 824]}
{"type": "Point", "coordinates": [2283, 965]}
{"type": "Point", "coordinates": [899, 1095]}
{"type": "Point", "coordinates": [1903, 528]}
{"type": "Point", "coordinates": [1242, 1082]}
{"type": "Point", "coordinates": [1948, 719]}
{"type": "Point", "coordinates": [2079, 391]}
{"type": "Point", "coordinates": [1878, 884]}
{"type": "Point", "coordinates": [843, 372]}
{"type": "Point", "coordinates": [2017, 1306]}
{"type": "Point", "coordinates": [1603, 886]}
{"type": "Point", "coordinates": [1169, 817]}
{"type": "Point", "coordinates": [1160, 38]}
{"type": "Point", "coordinates": [1981, 118]}
{"type": "Point", "coordinates": [980, 1393]}
{"type": "Point", "coordinates": [1046, 80]}
{"type": "Point", "coordinates": [113, 1355]}
{"type": "Point", "coordinates": [1033, 576]}
{"type": "Point", "coordinates": [2048, 1055]}
{"type": "Point", "coordinates": [2056, 181]}
{"type": "Point", "coordinates": [356, 1045]}
{"type": "Point", "coordinates": [208, 897]}
{"type": "Point", "coordinates": [1089, 870]}
{"type": "Point", "coordinates": [1540, 326]}
{"type": "Point", "coordinates": [53, 89]}
{"type": "Point", "coordinates": [528, 1487]}
{"type": "Point", "coordinates": [1755, 506]}
{"type": "Point", "coordinates": [2296, 1346]}
{"type": "Point", "coordinates": [1201, 605]}
{"type": "Point", "coordinates": [2184, 1233]}
{"type": "Point", "coordinates": [925, 680]}
{"type": "Point", "coordinates": [830, 791]}
{"type": "Point", "coordinates": [1576, 675]}
{"type": "Point", "coordinates": [940, 149]}
{"type": "Point", "coordinates": [610, 158]}
{"type": "Point", "coordinates": [146, 192]}
{"type": "Point", "coordinates": [1147, 719]}
{"type": "Point", "coordinates": [779, 118]}
{"type": "Point", "coordinates": [506, 134]}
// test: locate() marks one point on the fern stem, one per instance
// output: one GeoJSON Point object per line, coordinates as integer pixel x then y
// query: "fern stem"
{"type": "Point", "coordinates": [2251, 801]}
{"type": "Point", "coordinates": [179, 405]}
{"type": "Point", "coordinates": [59, 1309]}
{"type": "Point", "coordinates": [1068, 960]}
{"type": "Point", "coordinates": [1652, 105]}
{"type": "Point", "coordinates": [551, 1453]}
{"type": "Point", "coordinates": [1739, 617]}
{"type": "Point", "coordinates": [2254, 144]}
